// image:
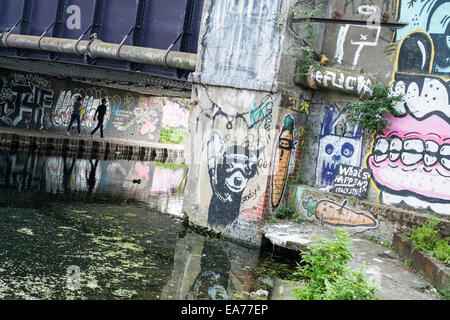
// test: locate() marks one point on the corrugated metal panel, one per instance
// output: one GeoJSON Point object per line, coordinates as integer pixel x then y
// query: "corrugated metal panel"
{"type": "Point", "coordinates": [42, 18]}
{"type": "Point", "coordinates": [77, 19]}
{"type": "Point", "coordinates": [148, 23]}
{"type": "Point", "coordinates": [118, 18]}
{"type": "Point", "coordinates": [10, 14]}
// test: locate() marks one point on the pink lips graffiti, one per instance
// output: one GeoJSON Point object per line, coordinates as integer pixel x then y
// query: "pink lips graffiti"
{"type": "Point", "coordinates": [412, 158]}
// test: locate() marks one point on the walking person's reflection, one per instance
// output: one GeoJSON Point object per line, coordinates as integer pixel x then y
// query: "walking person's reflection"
{"type": "Point", "coordinates": [91, 179]}
{"type": "Point", "coordinates": [68, 175]}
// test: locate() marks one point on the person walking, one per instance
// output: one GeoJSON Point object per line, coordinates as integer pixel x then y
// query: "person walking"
{"type": "Point", "coordinates": [101, 111]}
{"type": "Point", "coordinates": [76, 116]}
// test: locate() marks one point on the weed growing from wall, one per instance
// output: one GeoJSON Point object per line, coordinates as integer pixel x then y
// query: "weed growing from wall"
{"type": "Point", "coordinates": [370, 113]}
{"type": "Point", "coordinates": [303, 44]}
{"type": "Point", "coordinates": [325, 275]}
{"type": "Point", "coordinates": [427, 239]}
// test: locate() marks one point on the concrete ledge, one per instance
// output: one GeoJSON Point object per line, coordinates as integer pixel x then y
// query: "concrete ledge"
{"type": "Point", "coordinates": [389, 219]}
{"type": "Point", "coordinates": [433, 270]}
{"type": "Point", "coordinates": [383, 265]}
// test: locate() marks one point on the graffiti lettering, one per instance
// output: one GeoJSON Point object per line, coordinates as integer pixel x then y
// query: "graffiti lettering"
{"type": "Point", "coordinates": [24, 104]}
{"type": "Point", "coordinates": [357, 84]}
{"type": "Point", "coordinates": [251, 195]}
{"type": "Point", "coordinates": [64, 108]}
{"type": "Point", "coordinates": [351, 181]}
{"type": "Point", "coordinates": [263, 112]}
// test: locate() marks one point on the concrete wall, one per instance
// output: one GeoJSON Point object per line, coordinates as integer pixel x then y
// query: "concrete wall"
{"type": "Point", "coordinates": [242, 150]}
{"type": "Point", "coordinates": [243, 145]}
{"type": "Point", "coordinates": [408, 162]}
{"type": "Point", "coordinates": [35, 102]}
{"type": "Point", "coordinates": [239, 44]}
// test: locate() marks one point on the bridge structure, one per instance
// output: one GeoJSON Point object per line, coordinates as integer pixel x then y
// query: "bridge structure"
{"type": "Point", "coordinates": [260, 116]}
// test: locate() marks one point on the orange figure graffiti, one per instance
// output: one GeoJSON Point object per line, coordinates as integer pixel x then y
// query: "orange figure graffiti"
{"type": "Point", "coordinates": [281, 161]}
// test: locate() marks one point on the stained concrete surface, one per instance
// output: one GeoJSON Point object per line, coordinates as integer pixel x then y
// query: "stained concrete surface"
{"type": "Point", "coordinates": [382, 265]}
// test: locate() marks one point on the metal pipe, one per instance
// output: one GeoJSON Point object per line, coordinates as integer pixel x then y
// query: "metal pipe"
{"type": "Point", "coordinates": [342, 80]}
{"type": "Point", "coordinates": [99, 49]}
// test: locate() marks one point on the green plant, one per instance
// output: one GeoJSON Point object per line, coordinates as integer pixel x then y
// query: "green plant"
{"type": "Point", "coordinates": [309, 57]}
{"type": "Point", "coordinates": [301, 133]}
{"type": "Point", "coordinates": [285, 213]}
{"type": "Point", "coordinates": [272, 220]}
{"type": "Point", "coordinates": [408, 263]}
{"type": "Point", "coordinates": [445, 294]}
{"type": "Point", "coordinates": [427, 239]}
{"type": "Point", "coordinates": [326, 275]}
{"type": "Point", "coordinates": [297, 218]}
{"type": "Point", "coordinates": [371, 113]}
{"type": "Point", "coordinates": [387, 244]}
{"type": "Point", "coordinates": [304, 106]}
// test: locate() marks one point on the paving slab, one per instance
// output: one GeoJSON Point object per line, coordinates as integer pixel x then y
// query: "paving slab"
{"type": "Point", "coordinates": [383, 265]}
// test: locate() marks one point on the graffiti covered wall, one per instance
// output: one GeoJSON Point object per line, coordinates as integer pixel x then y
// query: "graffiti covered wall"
{"type": "Point", "coordinates": [246, 151]}
{"type": "Point", "coordinates": [30, 101]}
{"type": "Point", "coordinates": [175, 117]}
{"type": "Point", "coordinates": [408, 162]}
{"type": "Point", "coordinates": [339, 143]}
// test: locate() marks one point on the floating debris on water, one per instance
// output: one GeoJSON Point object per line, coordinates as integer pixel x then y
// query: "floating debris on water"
{"type": "Point", "coordinates": [26, 231]}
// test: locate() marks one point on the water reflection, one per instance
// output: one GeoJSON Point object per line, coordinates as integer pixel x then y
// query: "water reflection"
{"type": "Point", "coordinates": [210, 269]}
{"type": "Point", "coordinates": [158, 184]}
{"type": "Point", "coordinates": [58, 212]}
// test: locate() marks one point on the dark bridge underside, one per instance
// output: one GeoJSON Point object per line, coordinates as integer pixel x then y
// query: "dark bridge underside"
{"type": "Point", "coordinates": [119, 79]}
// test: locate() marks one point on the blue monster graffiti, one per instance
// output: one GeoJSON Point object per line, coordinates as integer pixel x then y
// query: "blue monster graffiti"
{"type": "Point", "coordinates": [339, 143]}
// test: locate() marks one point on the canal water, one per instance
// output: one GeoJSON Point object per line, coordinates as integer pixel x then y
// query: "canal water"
{"type": "Point", "coordinates": [111, 229]}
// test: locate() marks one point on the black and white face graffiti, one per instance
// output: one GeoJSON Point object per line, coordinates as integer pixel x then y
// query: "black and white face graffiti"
{"type": "Point", "coordinates": [230, 169]}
